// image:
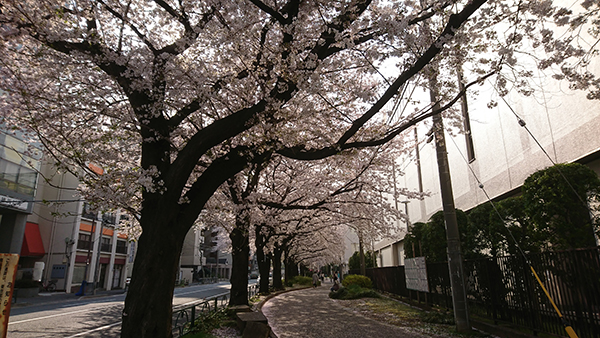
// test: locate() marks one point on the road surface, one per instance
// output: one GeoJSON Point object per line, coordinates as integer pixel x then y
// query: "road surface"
{"type": "Point", "coordinates": [90, 317]}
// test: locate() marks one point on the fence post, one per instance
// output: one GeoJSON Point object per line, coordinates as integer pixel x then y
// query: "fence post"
{"type": "Point", "coordinates": [193, 316]}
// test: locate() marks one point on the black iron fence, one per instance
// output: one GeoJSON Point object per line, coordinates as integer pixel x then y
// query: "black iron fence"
{"type": "Point", "coordinates": [185, 316]}
{"type": "Point", "coordinates": [504, 289]}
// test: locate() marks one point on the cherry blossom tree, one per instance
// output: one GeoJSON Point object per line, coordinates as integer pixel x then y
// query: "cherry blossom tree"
{"type": "Point", "coordinates": [174, 98]}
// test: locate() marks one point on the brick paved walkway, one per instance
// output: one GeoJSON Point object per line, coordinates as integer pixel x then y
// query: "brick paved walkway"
{"type": "Point", "coordinates": [310, 313]}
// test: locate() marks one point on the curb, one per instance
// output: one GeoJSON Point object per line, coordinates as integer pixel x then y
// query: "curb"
{"type": "Point", "coordinates": [271, 296]}
{"type": "Point", "coordinates": [277, 293]}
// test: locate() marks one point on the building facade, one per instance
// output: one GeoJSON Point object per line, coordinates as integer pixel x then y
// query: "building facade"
{"type": "Point", "coordinates": [497, 150]}
{"type": "Point", "coordinates": [80, 244]}
{"type": "Point", "coordinates": [19, 163]}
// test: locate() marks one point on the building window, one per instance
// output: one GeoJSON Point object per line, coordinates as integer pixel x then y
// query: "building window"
{"type": "Point", "coordinates": [418, 161]}
{"type": "Point", "coordinates": [88, 212]}
{"type": "Point", "coordinates": [121, 247]}
{"type": "Point", "coordinates": [84, 242]}
{"type": "Point", "coordinates": [466, 120]}
{"type": "Point", "coordinates": [17, 178]}
{"type": "Point", "coordinates": [78, 274]}
{"type": "Point", "coordinates": [105, 245]}
{"type": "Point", "coordinates": [109, 218]}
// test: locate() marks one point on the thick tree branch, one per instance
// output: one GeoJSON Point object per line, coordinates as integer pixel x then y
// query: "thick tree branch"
{"type": "Point", "coordinates": [454, 23]}
{"type": "Point", "coordinates": [124, 20]}
{"type": "Point", "coordinates": [272, 12]}
{"type": "Point", "coordinates": [300, 153]}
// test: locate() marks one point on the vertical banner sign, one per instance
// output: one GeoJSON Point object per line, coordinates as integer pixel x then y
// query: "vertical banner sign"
{"type": "Point", "coordinates": [416, 274]}
{"type": "Point", "coordinates": [8, 272]}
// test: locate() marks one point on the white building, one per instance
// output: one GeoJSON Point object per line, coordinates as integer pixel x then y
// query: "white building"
{"type": "Point", "coordinates": [498, 152]}
{"type": "Point", "coordinates": [79, 244]}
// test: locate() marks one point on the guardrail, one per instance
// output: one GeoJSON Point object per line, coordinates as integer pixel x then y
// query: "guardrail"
{"type": "Point", "coordinates": [184, 317]}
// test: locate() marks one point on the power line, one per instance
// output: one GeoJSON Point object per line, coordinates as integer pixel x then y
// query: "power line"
{"type": "Point", "coordinates": [523, 124]}
{"type": "Point", "coordinates": [565, 323]}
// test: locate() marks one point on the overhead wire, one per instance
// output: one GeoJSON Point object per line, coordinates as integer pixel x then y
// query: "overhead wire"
{"type": "Point", "coordinates": [523, 124]}
{"type": "Point", "coordinates": [565, 323]}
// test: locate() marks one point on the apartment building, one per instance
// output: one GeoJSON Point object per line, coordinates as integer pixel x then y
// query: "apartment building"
{"type": "Point", "coordinates": [19, 163]}
{"type": "Point", "coordinates": [79, 243]}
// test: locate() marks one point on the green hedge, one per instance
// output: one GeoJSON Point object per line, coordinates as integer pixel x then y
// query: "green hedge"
{"type": "Point", "coordinates": [353, 292]}
{"type": "Point", "coordinates": [362, 281]}
{"type": "Point", "coordinates": [301, 280]}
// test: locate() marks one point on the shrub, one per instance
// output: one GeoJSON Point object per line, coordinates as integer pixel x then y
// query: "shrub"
{"type": "Point", "coordinates": [353, 292]}
{"type": "Point", "coordinates": [302, 280]}
{"type": "Point", "coordinates": [339, 294]}
{"type": "Point", "coordinates": [362, 281]}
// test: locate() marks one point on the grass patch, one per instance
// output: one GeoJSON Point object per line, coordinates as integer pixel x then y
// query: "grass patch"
{"type": "Point", "coordinates": [434, 323]}
{"type": "Point", "coordinates": [436, 317]}
{"type": "Point", "coordinates": [209, 321]}
{"type": "Point", "coordinates": [198, 335]}
{"type": "Point", "coordinates": [254, 300]}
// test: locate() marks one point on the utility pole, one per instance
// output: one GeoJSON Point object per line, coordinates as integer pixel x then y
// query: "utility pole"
{"type": "Point", "coordinates": [459, 298]}
{"type": "Point", "coordinates": [361, 253]}
{"type": "Point", "coordinates": [97, 268]}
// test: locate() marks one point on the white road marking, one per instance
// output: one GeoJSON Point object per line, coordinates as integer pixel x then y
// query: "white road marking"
{"type": "Point", "coordinates": [51, 316]}
{"type": "Point", "coordinates": [94, 330]}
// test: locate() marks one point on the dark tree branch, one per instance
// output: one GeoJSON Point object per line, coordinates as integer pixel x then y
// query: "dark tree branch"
{"type": "Point", "coordinates": [272, 12]}
{"type": "Point", "coordinates": [454, 23]}
{"type": "Point", "coordinates": [300, 153]}
{"type": "Point", "coordinates": [129, 24]}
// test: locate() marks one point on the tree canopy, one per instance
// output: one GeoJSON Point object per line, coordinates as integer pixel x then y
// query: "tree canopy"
{"type": "Point", "coordinates": [560, 201]}
{"type": "Point", "coordinates": [174, 98]}
{"type": "Point", "coordinates": [554, 212]}
{"type": "Point", "coordinates": [370, 260]}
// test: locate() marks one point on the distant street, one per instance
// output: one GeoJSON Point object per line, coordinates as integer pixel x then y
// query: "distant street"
{"type": "Point", "coordinates": [89, 317]}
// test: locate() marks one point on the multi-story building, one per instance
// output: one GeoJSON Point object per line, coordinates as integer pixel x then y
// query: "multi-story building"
{"type": "Point", "coordinates": [218, 262]}
{"type": "Point", "coordinates": [80, 244]}
{"type": "Point", "coordinates": [497, 152]}
{"type": "Point", "coordinates": [192, 256]}
{"type": "Point", "coordinates": [48, 224]}
{"type": "Point", "coordinates": [19, 163]}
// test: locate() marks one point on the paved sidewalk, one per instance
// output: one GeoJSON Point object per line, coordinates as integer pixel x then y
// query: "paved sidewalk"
{"type": "Point", "coordinates": [310, 313]}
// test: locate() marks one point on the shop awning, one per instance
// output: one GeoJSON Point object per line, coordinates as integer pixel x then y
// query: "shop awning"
{"type": "Point", "coordinates": [32, 241]}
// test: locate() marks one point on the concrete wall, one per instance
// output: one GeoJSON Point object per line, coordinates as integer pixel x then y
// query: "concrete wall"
{"type": "Point", "coordinates": [564, 122]}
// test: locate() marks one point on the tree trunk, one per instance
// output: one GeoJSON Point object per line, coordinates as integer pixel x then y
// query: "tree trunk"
{"type": "Point", "coordinates": [263, 260]}
{"type": "Point", "coordinates": [148, 305]}
{"type": "Point", "coordinates": [264, 265]}
{"type": "Point", "coordinates": [291, 270]}
{"type": "Point", "coordinates": [240, 255]}
{"type": "Point", "coordinates": [277, 285]}
{"type": "Point", "coordinates": [363, 268]}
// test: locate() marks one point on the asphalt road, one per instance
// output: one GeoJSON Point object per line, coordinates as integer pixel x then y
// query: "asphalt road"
{"type": "Point", "coordinates": [90, 317]}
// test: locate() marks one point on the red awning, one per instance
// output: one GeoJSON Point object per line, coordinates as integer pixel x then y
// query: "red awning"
{"type": "Point", "coordinates": [32, 241]}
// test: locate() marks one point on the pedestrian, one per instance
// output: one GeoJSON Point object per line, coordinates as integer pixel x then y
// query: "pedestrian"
{"type": "Point", "coordinates": [336, 284]}
{"type": "Point", "coordinates": [315, 279]}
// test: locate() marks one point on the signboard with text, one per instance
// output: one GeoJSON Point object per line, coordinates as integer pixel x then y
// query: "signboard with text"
{"type": "Point", "coordinates": [415, 271]}
{"type": "Point", "coordinates": [8, 272]}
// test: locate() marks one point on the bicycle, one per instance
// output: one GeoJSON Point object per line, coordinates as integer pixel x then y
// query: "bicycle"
{"type": "Point", "coordinates": [50, 285]}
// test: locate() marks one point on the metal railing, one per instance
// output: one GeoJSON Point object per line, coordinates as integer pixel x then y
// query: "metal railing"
{"type": "Point", "coordinates": [503, 290]}
{"type": "Point", "coordinates": [184, 317]}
